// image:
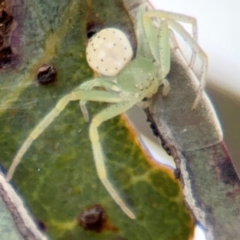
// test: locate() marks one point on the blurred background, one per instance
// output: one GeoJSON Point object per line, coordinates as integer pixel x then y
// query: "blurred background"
{"type": "Point", "coordinates": [219, 36]}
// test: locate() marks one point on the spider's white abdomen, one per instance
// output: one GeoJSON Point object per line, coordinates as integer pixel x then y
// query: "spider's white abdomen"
{"type": "Point", "coordinates": [108, 51]}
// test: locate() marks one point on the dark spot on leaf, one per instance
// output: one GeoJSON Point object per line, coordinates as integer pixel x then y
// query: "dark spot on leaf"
{"type": "Point", "coordinates": [152, 125]}
{"type": "Point", "coordinates": [228, 173]}
{"type": "Point", "coordinates": [156, 132]}
{"type": "Point", "coordinates": [6, 55]}
{"type": "Point", "coordinates": [90, 34]}
{"type": "Point", "coordinates": [6, 21]}
{"type": "Point", "coordinates": [177, 173]}
{"type": "Point", "coordinates": [41, 225]}
{"type": "Point", "coordinates": [93, 27]}
{"type": "Point", "coordinates": [154, 129]}
{"type": "Point", "coordinates": [95, 219]}
{"type": "Point", "coordinates": [166, 147]}
{"type": "Point", "coordinates": [1, 41]}
{"type": "Point", "coordinates": [46, 74]}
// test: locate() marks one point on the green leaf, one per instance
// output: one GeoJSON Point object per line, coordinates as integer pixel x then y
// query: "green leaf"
{"type": "Point", "coordinates": [57, 177]}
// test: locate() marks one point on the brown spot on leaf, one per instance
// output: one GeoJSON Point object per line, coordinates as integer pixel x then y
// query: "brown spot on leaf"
{"type": "Point", "coordinates": [46, 74]}
{"type": "Point", "coordinates": [228, 173]}
{"type": "Point", "coordinates": [93, 26]}
{"type": "Point", "coordinates": [6, 21]}
{"type": "Point", "coordinates": [41, 225]}
{"type": "Point", "coordinates": [156, 132]}
{"type": "Point", "coordinates": [152, 124]}
{"type": "Point", "coordinates": [6, 55]}
{"type": "Point", "coordinates": [1, 41]}
{"type": "Point", "coordinates": [95, 219]}
{"type": "Point", "coordinates": [6, 30]}
{"type": "Point", "coordinates": [177, 173]}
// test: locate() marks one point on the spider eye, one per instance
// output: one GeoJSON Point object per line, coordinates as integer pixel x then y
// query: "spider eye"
{"type": "Point", "coordinates": [6, 56]}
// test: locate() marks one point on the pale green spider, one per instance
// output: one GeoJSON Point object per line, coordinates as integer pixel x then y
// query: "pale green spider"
{"type": "Point", "coordinates": [126, 82]}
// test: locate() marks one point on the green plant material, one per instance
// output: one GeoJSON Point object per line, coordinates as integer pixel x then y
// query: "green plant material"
{"type": "Point", "coordinates": [57, 177]}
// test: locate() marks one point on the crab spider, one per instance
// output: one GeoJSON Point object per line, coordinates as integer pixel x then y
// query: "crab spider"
{"type": "Point", "coordinates": [125, 82]}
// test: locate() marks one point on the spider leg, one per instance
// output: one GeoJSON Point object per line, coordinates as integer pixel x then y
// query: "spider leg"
{"type": "Point", "coordinates": [166, 87]}
{"type": "Point", "coordinates": [142, 43]}
{"type": "Point", "coordinates": [160, 47]}
{"type": "Point", "coordinates": [180, 18]}
{"type": "Point", "coordinates": [89, 85]}
{"type": "Point", "coordinates": [99, 96]}
{"type": "Point", "coordinates": [152, 38]}
{"type": "Point", "coordinates": [105, 115]}
{"type": "Point", "coordinates": [176, 46]}
{"type": "Point", "coordinates": [170, 19]}
{"type": "Point", "coordinates": [201, 54]}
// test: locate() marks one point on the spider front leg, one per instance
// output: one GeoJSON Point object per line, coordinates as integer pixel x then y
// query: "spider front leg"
{"type": "Point", "coordinates": [106, 114]}
{"type": "Point", "coordinates": [176, 17]}
{"type": "Point", "coordinates": [159, 44]}
{"type": "Point", "coordinates": [200, 53]}
{"type": "Point", "coordinates": [89, 85]}
{"type": "Point", "coordinates": [170, 20]}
